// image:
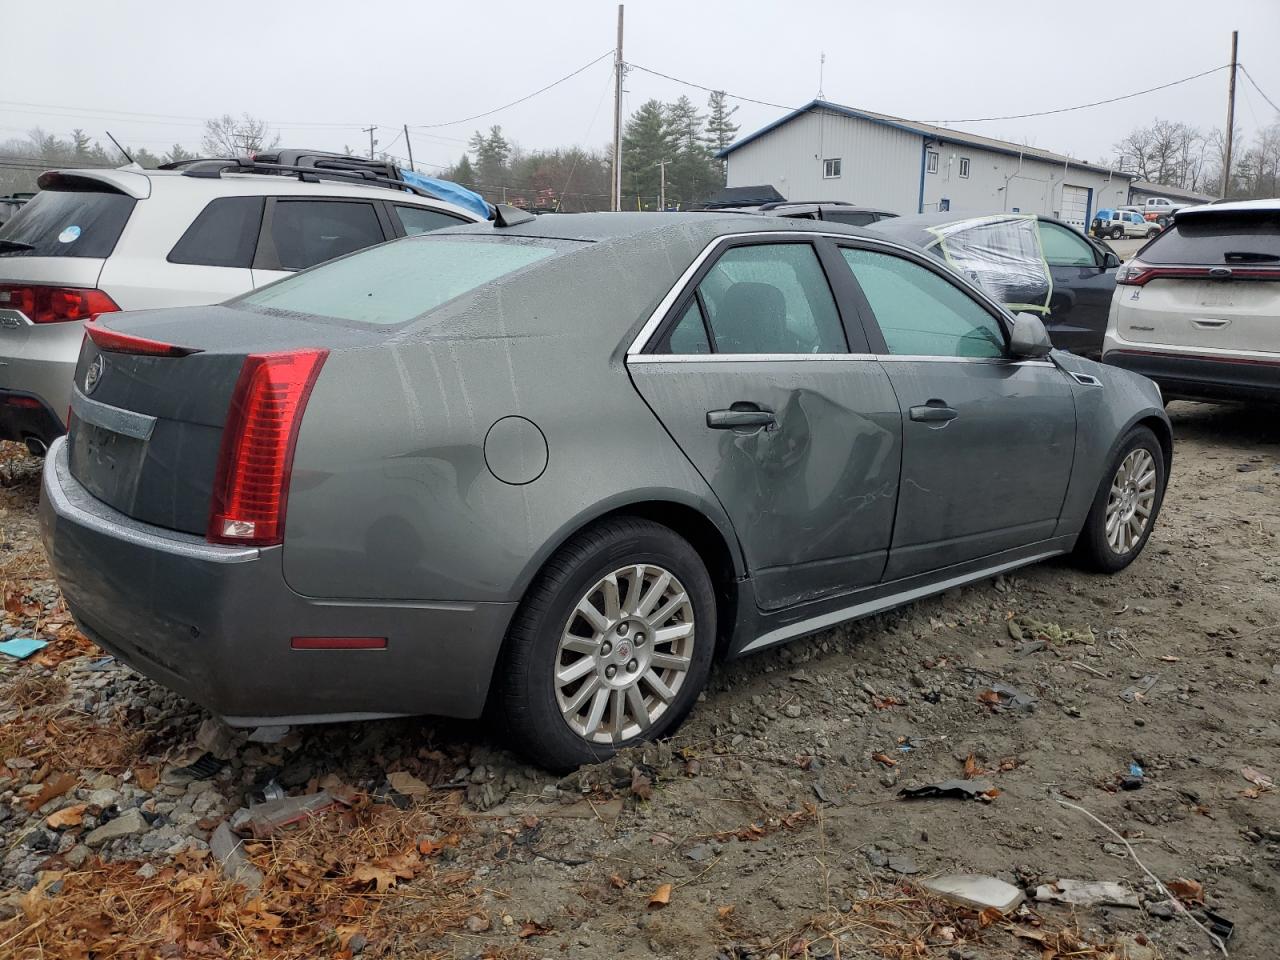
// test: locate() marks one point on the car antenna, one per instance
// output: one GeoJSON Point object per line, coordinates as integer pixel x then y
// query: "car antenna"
{"type": "Point", "coordinates": [121, 149]}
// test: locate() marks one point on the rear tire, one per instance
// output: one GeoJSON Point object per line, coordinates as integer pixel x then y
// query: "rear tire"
{"type": "Point", "coordinates": [611, 645]}
{"type": "Point", "coordinates": [1126, 505]}
{"type": "Point", "coordinates": [1153, 232]}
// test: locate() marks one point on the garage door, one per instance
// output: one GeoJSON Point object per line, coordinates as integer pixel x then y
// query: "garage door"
{"type": "Point", "coordinates": [1075, 206]}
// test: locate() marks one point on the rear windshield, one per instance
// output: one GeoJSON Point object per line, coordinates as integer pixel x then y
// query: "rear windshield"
{"type": "Point", "coordinates": [67, 223]}
{"type": "Point", "coordinates": [399, 281]}
{"type": "Point", "coordinates": [1218, 238]}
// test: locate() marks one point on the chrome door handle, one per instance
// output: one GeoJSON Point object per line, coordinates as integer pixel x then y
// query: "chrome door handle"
{"type": "Point", "coordinates": [735, 419]}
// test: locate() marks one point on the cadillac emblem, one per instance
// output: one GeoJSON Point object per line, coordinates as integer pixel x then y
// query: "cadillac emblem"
{"type": "Point", "coordinates": [93, 376]}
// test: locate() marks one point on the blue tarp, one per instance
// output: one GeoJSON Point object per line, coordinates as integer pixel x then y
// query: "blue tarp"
{"type": "Point", "coordinates": [449, 191]}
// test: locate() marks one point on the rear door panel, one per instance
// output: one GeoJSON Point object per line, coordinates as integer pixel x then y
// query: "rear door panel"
{"type": "Point", "coordinates": [812, 500]}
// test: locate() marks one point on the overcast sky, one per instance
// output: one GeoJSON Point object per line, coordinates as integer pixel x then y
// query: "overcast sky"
{"type": "Point", "coordinates": [318, 71]}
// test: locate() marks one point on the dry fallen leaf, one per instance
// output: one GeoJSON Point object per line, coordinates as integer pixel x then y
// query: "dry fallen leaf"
{"type": "Point", "coordinates": [884, 758]}
{"type": "Point", "coordinates": [641, 785]}
{"type": "Point", "coordinates": [661, 897]}
{"type": "Point", "coordinates": [532, 929]}
{"type": "Point", "coordinates": [1170, 659]}
{"type": "Point", "coordinates": [55, 786]}
{"type": "Point", "coordinates": [407, 784]}
{"type": "Point", "coordinates": [724, 912]}
{"type": "Point", "coordinates": [971, 768]}
{"type": "Point", "coordinates": [67, 817]}
{"type": "Point", "coordinates": [884, 703]}
{"type": "Point", "coordinates": [429, 848]}
{"type": "Point", "coordinates": [147, 777]}
{"type": "Point", "coordinates": [1257, 778]}
{"type": "Point", "coordinates": [990, 698]}
{"type": "Point", "coordinates": [616, 881]}
{"type": "Point", "coordinates": [1190, 890]}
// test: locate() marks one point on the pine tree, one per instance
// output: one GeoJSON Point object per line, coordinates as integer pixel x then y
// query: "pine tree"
{"type": "Point", "coordinates": [647, 140]}
{"type": "Point", "coordinates": [492, 151]}
{"type": "Point", "coordinates": [463, 173]}
{"type": "Point", "coordinates": [692, 174]}
{"type": "Point", "coordinates": [720, 126]}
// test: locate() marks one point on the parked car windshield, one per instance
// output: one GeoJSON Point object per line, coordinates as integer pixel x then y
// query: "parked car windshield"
{"type": "Point", "coordinates": [399, 281]}
{"type": "Point", "coordinates": [1229, 237]}
{"type": "Point", "coordinates": [67, 223]}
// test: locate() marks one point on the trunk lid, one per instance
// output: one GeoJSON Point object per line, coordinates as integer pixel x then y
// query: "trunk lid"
{"type": "Point", "coordinates": [146, 431]}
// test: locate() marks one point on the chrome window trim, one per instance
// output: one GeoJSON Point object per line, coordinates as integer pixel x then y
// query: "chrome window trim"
{"type": "Point", "coordinates": [745, 357]}
{"type": "Point", "coordinates": [641, 339]}
{"type": "Point", "coordinates": [808, 357]}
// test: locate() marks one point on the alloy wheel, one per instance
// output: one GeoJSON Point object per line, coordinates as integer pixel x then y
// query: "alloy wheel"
{"type": "Point", "coordinates": [1131, 501]}
{"type": "Point", "coordinates": [624, 653]}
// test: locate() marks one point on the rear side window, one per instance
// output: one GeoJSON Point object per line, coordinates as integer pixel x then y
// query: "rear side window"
{"type": "Point", "coordinates": [1228, 238]}
{"type": "Point", "coordinates": [67, 223]}
{"type": "Point", "coordinates": [1065, 248]}
{"type": "Point", "coordinates": [399, 281]}
{"type": "Point", "coordinates": [771, 298]}
{"type": "Point", "coordinates": [416, 220]}
{"type": "Point", "coordinates": [223, 235]}
{"type": "Point", "coordinates": [307, 232]}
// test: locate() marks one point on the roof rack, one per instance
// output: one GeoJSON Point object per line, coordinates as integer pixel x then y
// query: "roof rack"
{"type": "Point", "coordinates": [773, 205]}
{"type": "Point", "coordinates": [309, 166]}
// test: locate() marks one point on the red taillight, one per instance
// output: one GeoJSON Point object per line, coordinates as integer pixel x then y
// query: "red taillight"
{"type": "Point", "coordinates": [117, 342]}
{"type": "Point", "coordinates": [44, 304]}
{"type": "Point", "coordinates": [251, 486]}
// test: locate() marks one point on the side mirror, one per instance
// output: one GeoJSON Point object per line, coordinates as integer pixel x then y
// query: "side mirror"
{"type": "Point", "coordinates": [1110, 261]}
{"type": "Point", "coordinates": [1029, 339]}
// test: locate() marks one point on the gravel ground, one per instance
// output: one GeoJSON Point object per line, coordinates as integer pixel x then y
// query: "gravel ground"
{"type": "Point", "coordinates": [1148, 699]}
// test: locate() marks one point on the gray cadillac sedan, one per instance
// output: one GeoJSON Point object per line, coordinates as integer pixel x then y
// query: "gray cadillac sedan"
{"type": "Point", "coordinates": [557, 467]}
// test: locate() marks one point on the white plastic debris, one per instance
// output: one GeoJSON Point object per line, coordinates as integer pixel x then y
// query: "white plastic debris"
{"type": "Point", "coordinates": [975, 890]}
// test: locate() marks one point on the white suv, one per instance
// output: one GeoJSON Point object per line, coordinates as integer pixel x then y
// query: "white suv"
{"type": "Point", "coordinates": [1198, 309]}
{"type": "Point", "coordinates": [95, 241]}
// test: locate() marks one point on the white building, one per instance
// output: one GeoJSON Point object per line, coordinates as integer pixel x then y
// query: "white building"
{"type": "Point", "coordinates": [824, 151]}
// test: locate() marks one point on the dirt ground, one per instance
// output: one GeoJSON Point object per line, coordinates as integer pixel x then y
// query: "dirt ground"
{"type": "Point", "coordinates": [772, 824]}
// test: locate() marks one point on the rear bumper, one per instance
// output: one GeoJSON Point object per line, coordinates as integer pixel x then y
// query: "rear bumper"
{"type": "Point", "coordinates": [39, 360]}
{"type": "Point", "coordinates": [215, 623]}
{"type": "Point", "coordinates": [1198, 377]}
{"type": "Point", "coordinates": [24, 417]}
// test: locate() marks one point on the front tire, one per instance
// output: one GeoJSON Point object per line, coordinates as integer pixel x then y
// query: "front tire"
{"type": "Point", "coordinates": [1126, 505]}
{"type": "Point", "coordinates": [610, 647]}
{"type": "Point", "coordinates": [1117, 233]}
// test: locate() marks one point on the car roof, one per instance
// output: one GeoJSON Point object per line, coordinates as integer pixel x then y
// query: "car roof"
{"type": "Point", "coordinates": [606, 227]}
{"type": "Point", "coordinates": [1269, 205]}
{"type": "Point", "coordinates": [915, 228]}
{"type": "Point", "coordinates": [141, 184]}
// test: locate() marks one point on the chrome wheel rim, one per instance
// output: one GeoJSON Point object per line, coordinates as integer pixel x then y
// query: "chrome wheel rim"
{"type": "Point", "coordinates": [1131, 501]}
{"type": "Point", "coordinates": [624, 653]}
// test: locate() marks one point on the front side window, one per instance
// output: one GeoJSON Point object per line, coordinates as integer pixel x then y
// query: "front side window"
{"type": "Point", "coordinates": [1065, 248]}
{"type": "Point", "coordinates": [921, 314]}
{"type": "Point", "coordinates": [225, 234]}
{"type": "Point", "coordinates": [416, 220]}
{"type": "Point", "coordinates": [831, 168]}
{"type": "Point", "coordinates": [771, 298]}
{"type": "Point", "coordinates": [964, 166]}
{"type": "Point", "coordinates": [400, 281]}
{"type": "Point", "coordinates": [932, 162]}
{"type": "Point", "coordinates": [307, 232]}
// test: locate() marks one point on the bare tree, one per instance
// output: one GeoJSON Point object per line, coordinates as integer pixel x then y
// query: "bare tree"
{"type": "Point", "coordinates": [225, 136]}
{"type": "Point", "coordinates": [1168, 152]}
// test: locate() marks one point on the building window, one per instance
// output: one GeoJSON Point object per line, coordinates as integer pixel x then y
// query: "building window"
{"type": "Point", "coordinates": [931, 162]}
{"type": "Point", "coordinates": [944, 205]}
{"type": "Point", "coordinates": [831, 168]}
{"type": "Point", "coordinates": [964, 167]}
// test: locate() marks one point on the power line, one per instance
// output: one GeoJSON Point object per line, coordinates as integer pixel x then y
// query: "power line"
{"type": "Point", "coordinates": [1258, 88]}
{"type": "Point", "coordinates": [529, 96]}
{"type": "Point", "coordinates": [1014, 116]}
{"type": "Point", "coordinates": [698, 86]}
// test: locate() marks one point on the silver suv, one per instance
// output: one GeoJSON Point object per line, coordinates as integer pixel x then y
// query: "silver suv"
{"type": "Point", "coordinates": [96, 241]}
{"type": "Point", "coordinates": [1198, 308]}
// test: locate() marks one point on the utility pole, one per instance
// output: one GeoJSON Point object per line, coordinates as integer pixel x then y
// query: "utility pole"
{"type": "Point", "coordinates": [372, 142]}
{"type": "Point", "coordinates": [1231, 116]}
{"type": "Point", "coordinates": [409, 143]}
{"type": "Point", "coordinates": [619, 71]}
{"type": "Point", "coordinates": [662, 184]}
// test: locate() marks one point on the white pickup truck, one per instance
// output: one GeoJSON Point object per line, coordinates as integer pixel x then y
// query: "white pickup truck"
{"type": "Point", "coordinates": [1161, 209]}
